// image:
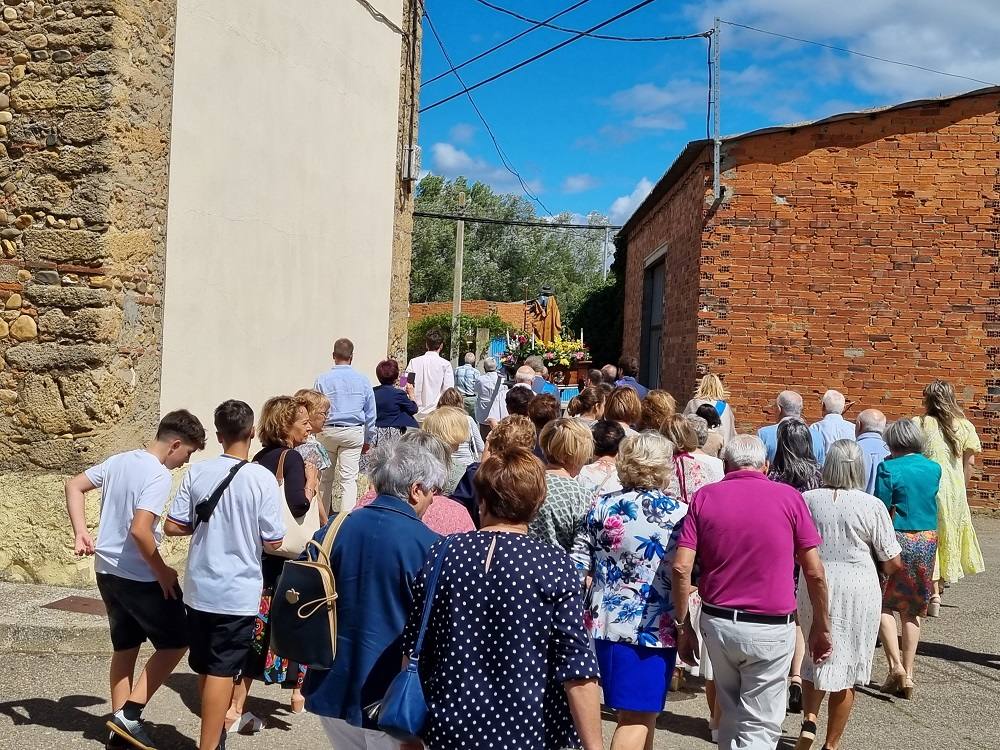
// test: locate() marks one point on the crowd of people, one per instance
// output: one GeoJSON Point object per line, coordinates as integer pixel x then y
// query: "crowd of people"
{"type": "Point", "coordinates": [587, 554]}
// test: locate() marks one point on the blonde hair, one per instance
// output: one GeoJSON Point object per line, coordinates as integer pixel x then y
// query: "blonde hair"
{"type": "Point", "coordinates": [276, 420]}
{"type": "Point", "coordinates": [623, 405]}
{"type": "Point", "coordinates": [450, 424]}
{"type": "Point", "coordinates": [657, 408]}
{"type": "Point", "coordinates": [940, 403]}
{"type": "Point", "coordinates": [645, 461]}
{"type": "Point", "coordinates": [314, 401]}
{"type": "Point", "coordinates": [711, 388]}
{"type": "Point", "coordinates": [566, 443]}
{"type": "Point", "coordinates": [681, 433]}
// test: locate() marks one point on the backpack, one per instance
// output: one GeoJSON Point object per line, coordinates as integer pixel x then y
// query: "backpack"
{"type": "Point", "coordinates": [303, 612]}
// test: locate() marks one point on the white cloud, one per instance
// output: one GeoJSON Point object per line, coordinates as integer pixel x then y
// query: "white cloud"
{"type": "Point", "coordinates": [579, 183]}
{"type": "Point", "coordinates": [658, 121]}
{"type": "Point", "coordinates": [625, 205]}
{"type": "Point", "coordinates": [462, 132]}
{"type": "Point", "coordinates": [648, 97]}
{"type": "Point", "coordinates": [451, 162]}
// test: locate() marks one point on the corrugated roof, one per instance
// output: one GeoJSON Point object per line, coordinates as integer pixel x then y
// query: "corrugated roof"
{"type": "Point", "coordinates": [691, 151]}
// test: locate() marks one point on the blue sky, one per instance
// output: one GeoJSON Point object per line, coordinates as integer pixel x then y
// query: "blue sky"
{"type": "Point", "coordinates": [592, 126]}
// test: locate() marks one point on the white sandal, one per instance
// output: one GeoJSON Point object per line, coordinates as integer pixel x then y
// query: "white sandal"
{"type": "Point", "coordinates": [248, 724]}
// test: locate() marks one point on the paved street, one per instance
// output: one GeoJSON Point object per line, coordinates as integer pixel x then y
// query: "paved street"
{"type": "Point", "coordinates": [59, 701]}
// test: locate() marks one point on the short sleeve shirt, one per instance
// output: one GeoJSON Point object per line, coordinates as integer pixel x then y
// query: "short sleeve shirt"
{"type": "Point", "coordinates": [130, 481]}
{"type": "Point", "coordinates": [224, 563]}
{"type": "Point", "coordinates": [746, 531]}
{"type": "Point", "coordinates": [566, 503]}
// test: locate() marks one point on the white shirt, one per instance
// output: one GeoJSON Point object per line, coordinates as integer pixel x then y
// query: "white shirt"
{"type": "Point", "coordinates": [223, 566]}
{"type": "Point", "coordinates": [488, 407]}
{"type": "Point", "coordinates": [433, 377]}
{"type": "Point", "coordinates": [129, 482]}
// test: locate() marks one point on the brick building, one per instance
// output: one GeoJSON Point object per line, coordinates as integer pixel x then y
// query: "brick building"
{"type": "Point", "coordinates": [512, 313]}
{"type": "Point", "coordinates": [859, 252]}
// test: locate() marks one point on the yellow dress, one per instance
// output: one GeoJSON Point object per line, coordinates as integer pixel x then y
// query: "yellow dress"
{"type": "Point", "coordinates": [958, 553]}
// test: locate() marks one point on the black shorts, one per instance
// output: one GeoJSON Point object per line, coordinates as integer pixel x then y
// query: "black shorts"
{"type": "Point", "coordinates": [219, 643]}
{"type": "Point", "coordinates": [137, 611]}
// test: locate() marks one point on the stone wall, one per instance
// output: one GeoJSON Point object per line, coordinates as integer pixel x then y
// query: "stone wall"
{"type": "Point", "coordinates": [85, 113]}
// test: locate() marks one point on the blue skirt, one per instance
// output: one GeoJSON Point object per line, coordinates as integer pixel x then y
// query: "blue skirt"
{"type": "Point", "coordinates": [635, 678]}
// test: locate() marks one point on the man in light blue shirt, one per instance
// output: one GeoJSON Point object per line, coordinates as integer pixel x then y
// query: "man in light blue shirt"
{"type": "Point", "coordinates": [349, 427]}
{"type": "Point", "coordinates": [789, 404]}
{"type": "Point", "coordinates": [466, 378]}
{"type": "Point", "coordinates": [540, 385]}
{"type": "Point", "coordinates": [870, 426]}
{"type": "Point", "coordinates": [833, 426]}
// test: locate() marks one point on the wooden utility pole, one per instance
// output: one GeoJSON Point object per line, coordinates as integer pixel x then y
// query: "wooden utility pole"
{"type": "Point", "coordinates": [456, 298]}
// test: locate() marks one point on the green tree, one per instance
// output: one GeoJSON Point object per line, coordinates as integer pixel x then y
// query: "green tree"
{"type": "Point", "coordinates": [502, 263]}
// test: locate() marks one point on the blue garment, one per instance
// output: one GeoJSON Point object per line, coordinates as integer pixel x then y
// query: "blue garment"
{"type": "Point", "coordinates": [541, 385]}
{"type": "Point", "coordinates": [831, 428]}
{"type": "Point", "coordinates": [393, 407]}
{"type": "Point", "coordinates": [352, 401]}
{"type": "Point", "coordinates": [465, 492]}
{"type": "Point", "coordinates": [875, 451]}
{"type": "Point", "coordinates": [629, 382]}
{"type": "Point", "coordinates": [769, 435]}
{"type": "Point", "coordinates": [634, 678]}
{"type": "Point", "coordinates": [465, 379]}
{"type": "Point", "coordinates": [908, 485]}
{"type": "Point", "coordinates": [376, 557]}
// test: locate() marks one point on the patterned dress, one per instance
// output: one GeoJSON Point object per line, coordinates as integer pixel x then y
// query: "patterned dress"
{"type": "Point", "coordinates": [565, 505]}
{"type": "Point", "coordinates": [958, 552]}
{"type": "Point", "coordinates": [689, 476]}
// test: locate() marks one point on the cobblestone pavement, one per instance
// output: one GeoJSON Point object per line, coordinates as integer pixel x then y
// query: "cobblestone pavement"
{"type": "Point", "coordinates": [58, 701]}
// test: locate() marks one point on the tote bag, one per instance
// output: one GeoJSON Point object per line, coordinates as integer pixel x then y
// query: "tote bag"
{"type": "Point", "coordinates": [298, 531]}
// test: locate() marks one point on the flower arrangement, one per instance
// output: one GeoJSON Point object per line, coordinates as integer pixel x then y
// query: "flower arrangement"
{"type": "Point", "coordinates": [558, 353]}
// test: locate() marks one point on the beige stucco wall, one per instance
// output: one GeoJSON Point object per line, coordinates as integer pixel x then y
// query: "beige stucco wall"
{"type": "Point", "coordinates": [281, 204]}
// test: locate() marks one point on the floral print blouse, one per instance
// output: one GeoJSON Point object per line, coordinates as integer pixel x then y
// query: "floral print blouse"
{"type": "Point", "coordinates": [627, 543]}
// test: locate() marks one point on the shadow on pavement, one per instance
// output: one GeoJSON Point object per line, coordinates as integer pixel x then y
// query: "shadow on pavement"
{"type": "Point", "coordinates": [954, 653]}
{"type": "Point", "coordinates": [687, 726]}
{"type": "Point", "coordinates": [67, 715]}
{"type": "Point", "coordinates": [186, 686]}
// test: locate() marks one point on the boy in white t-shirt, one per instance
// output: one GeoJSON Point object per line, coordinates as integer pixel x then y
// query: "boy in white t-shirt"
{"type": "Point", "coordinates": [139, 589]}
{"type": "Point", "coordinates": [223, 578]}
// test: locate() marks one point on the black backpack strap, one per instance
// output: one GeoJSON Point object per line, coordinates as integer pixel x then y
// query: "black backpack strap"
{"type": "Point", "coordinates": [203, 510]}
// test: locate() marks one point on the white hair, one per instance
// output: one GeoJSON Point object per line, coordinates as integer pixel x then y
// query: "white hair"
{"type": "Point", "coordinates": [745, 452]}
{"type": "Point", "coordinates": [535, 363]}
{"type": "Point", "coordinates": [470, 358]}
{"type": "Point", "coordinates": [844, 466]}
{"type": "Point", "coordinates": [400, 465]}
{"type": "Point", "coordinates": [834, 402]}
{"type": "Point", "coordinates": [489, 364]}
{"type": "Point", "coordinates": [903, 436]}
{"type": "Point", "coordinates": [525, 374]}
{"type": "Point", "coordinates": [871, 420]}
{"type": "Point", "coordinates": [789, 404]}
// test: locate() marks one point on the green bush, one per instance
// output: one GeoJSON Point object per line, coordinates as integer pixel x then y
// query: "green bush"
{"type": "Point", "coordinates": [467, 323]}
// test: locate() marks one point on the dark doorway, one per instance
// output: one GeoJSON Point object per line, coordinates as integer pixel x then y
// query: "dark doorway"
{"type": "Point", "coordinates": [652, 324]}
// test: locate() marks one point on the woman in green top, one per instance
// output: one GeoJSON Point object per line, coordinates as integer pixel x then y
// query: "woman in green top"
{"type": "Point", "coordinates": [907, 483]}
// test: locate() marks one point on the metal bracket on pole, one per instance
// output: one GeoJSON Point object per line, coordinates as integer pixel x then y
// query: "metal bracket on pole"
{"type": "Point", "coordinates": [716, 134]}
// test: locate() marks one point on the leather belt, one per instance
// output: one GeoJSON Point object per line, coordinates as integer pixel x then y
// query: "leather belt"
{"type": "Point", "coordinates": [737, 615]}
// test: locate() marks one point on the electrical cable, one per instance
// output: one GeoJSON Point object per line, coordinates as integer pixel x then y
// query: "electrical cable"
{"type": "Point", "coordinates": [855, 52]}
{"type": "Point", "coordinates": [539, 56]}
{"type": "Point", "coordinates": [513, 222]}
{"type": "Point", "coordinates": [604, 37]}
{"type": "Point", "coordinates": [504, 43]}
{"type": "Point", "coordinates": [496, 144]}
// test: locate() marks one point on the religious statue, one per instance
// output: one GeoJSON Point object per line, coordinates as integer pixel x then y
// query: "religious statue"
{"type": "Point", "coordinates": [544, 312]}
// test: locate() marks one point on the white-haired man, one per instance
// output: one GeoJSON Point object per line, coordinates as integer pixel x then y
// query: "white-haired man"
{"type": "Point", "coordinates": [465, 381]}
{"type": "Point", "coordinates": [491, 394]}
{"type": "Point", "coordinates": [833, 426]}
{"type": "Point", "coordinates": [789, 406]}
{"type": "Point", "coordinates": [869, 427]}
{"type": "Point", "coordinates": [748, 591]}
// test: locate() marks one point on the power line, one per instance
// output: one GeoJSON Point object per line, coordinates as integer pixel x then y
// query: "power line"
{"type": "Point", "coordinates": [494, 48]}
{"type": "Point", "coordinates": [380, 17]}
{"type": "Point", "coordinates": [855, 52]}
{"type": "Point", "coordinates": [496, 144]}
{"type": "Point", "coordinates": [604, 37]}
{"type": "Point", "coordinates": [539, 56]}
{"type": "Point", "coordinates": [513, 222]}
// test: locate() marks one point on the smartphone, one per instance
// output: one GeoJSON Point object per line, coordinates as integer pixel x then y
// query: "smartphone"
{"type": "Point", "coordinates": [411, 377]}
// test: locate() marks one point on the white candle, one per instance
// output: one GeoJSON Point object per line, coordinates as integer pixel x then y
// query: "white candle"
{"type": "Point", "coordinates": [532, 338]}
{"type": "Point", "coordinates": [581, 337]}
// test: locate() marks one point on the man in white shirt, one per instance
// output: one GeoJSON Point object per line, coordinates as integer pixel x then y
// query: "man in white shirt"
{"type": "Point", "coordinates": [224, 576]}
{"type": "Point", "coordinates": [432, 375]}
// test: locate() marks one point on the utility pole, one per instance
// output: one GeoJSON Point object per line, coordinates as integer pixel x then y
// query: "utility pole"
{"type": "Point", "coordinates": [604, 254]}
{"type": "Point", "coordinates": [716, 135]}
{"type": "Point", "coordinates": [456, 297]}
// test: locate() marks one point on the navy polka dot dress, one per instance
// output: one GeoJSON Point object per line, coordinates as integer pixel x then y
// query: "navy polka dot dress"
{"type": "Point", "coordinates": [506, 631]}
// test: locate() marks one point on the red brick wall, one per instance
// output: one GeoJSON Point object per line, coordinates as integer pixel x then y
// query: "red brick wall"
{"type": "Point", "coordinates": [512, 313]}
{"type": "Point", "coordinates": [860, 255]}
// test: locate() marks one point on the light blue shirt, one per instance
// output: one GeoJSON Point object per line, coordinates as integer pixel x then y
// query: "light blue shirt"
{"type": "Point", "coordinates": [465, 379]}
{"type": "Point", "coordinates": [352, 400]}
{"type": "Point", "coordinates": [769, 435]}
{"type": "Point", "coordinates": [875, 451]}
{"type": "Point", "coordinates": [831, 428]}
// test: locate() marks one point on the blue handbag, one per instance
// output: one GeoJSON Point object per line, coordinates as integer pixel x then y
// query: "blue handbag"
{"type": "Point", "coordinates": [403, 713]}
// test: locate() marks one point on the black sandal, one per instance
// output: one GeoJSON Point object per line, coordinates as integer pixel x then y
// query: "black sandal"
{"type": "Point", "coordinates": [807, 735]}
{"type": "Point", "coordinates": [795, 697]}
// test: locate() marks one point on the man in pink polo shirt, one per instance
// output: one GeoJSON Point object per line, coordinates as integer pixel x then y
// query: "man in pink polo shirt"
{"type": "Point", "coordinates": [747, 533]}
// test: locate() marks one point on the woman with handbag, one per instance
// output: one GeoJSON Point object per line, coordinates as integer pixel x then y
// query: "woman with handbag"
{"type": "Point", "coordinates": [503, 656]}
{"type": "Point", "coordinates": [284, 425]}
{"type": "Point", "coordinates": [856, 533]}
